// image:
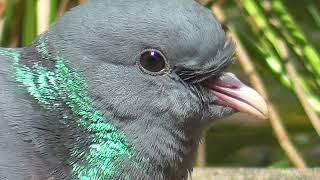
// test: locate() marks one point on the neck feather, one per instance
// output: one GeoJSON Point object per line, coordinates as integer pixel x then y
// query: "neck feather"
{"type": "Point", "coordinates": [61, 89]}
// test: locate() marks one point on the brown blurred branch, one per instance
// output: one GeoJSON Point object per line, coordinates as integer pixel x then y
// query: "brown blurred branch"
{"type": "Point", "coordinates": [203, 2]}
{"type": "Point", "coordinates": [82, 1]}
{"type": "Point", "coordinates": [63, 7]}
{"type": "Point", "coordinates": [275, 120]}
{"type": "Point", "coordinates": [3, 5]}
{"type": "Point", "coordinates": [201, 156]}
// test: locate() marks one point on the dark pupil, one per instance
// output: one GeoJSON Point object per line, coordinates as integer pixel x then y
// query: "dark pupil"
{"type": "Point", "coordinates": [152, 61]}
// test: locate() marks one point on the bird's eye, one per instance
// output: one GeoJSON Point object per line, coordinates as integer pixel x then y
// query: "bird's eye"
{"type": "Point", "coordinates": [152, 61]}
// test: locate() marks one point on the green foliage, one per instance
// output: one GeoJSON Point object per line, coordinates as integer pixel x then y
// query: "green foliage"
{"type": "Point", "coordinates": [54, 7]}
{"type": "Point", "coordinates": [277, 37]}
{"type": "Point", "coordinates": [7, 24]}
{"type": "Point", "coordinates": [29, 22]}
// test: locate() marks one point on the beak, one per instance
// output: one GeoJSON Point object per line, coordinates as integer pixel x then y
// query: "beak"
{"type": "Point", "coordinates": [231, 92]}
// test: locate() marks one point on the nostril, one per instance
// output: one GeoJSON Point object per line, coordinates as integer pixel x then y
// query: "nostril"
{"type": "Point", "coordinates": [226, 80]}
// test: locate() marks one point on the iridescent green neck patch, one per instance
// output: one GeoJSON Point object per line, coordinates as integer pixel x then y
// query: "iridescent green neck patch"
{"type": "Point", "coordinates": [63, 87]}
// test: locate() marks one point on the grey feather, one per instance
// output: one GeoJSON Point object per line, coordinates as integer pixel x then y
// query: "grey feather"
{"type": "Point", "coordinates": [162, 117]}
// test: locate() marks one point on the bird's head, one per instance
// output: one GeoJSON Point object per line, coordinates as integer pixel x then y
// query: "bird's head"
{"type": "Point", "coordinates": [156, 69]}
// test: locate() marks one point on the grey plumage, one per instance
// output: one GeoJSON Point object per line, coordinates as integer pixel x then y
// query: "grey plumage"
{"type": "Point", "coordinates": [162, 117]}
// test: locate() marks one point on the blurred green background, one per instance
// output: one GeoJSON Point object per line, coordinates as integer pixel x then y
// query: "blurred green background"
{"type": "Point", "coordinates": [278, 39]}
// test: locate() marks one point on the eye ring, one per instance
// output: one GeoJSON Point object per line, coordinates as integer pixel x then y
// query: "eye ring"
{"type": "Point", "coordinates": [153, 62]}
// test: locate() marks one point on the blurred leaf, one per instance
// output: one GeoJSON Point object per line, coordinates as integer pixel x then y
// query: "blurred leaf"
{"type": "Point", "coordinates": [29, 22]}
{"type": "Point", "coordinates": [7, 23]}
{"type": "Point", "coordinates": [54, 7]}
{"type": "Point", "coordinates": [310, 55]}
{"type": "Point", "coordinates": [315, 13]}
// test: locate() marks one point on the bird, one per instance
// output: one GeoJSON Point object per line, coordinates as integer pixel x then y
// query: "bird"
{"type": "Point", "coordinates": [118, 90]}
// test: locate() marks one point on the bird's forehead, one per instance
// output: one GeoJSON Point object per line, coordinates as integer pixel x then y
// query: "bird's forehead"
{"type": "Point", "coordinates": [182, 28]}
